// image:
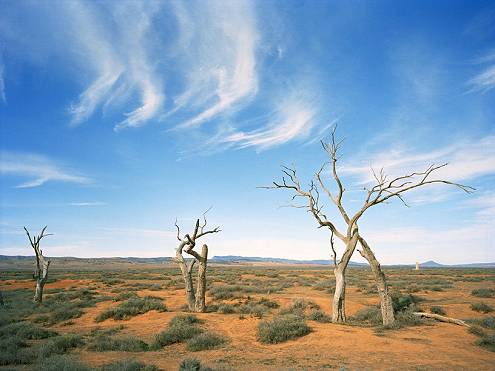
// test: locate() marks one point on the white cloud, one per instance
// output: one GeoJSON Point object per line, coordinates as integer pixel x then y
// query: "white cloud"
{"type": "Point", "coordinates": [468, 159]}
{"type": "Point", "coordinates": [293, 119]}
{"type": "Point", "coordinates": [221, 62]}
{"type": "Point", "coordinates": [485, 80]}
{"type": "Point", "coordinates": [121, 66]}
{"type": "Point", "coordinates": [2, 82]}
{"type": "Point", "coordinates": [94, 203]}
{"type": "Point", "coordinates": [38, 168]}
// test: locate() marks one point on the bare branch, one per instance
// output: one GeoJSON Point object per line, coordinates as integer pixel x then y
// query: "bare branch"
{"type": "Point", "coordinates": [178, 230]}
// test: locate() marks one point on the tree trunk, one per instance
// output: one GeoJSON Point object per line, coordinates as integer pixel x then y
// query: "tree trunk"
{"type": "Point", "coordinates": [338, 313]}
{"type": "Point", "coordinates": [338, 305]}
{"type": "Point", "coordinates": [38, 294]}
{"type": "Point", "coordinates": [186, 270]}
{"type": "Point", "coordinates": [201, 284]}
{"type": "Point", "coordinates": [41, 278]}
{"type": "Point", "coordinates": [386, 306]}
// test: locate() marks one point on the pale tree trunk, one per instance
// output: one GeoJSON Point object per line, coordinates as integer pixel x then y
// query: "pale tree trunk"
{"type": "Point", "coordinates": [338, 313]}
{"type": "Point", "coordinates": [41, 278]}
{"type": "Point", "coordinates": [186, 270]}
{"type": "Point", "coordinates": [338, 305]}
{"type": "Point", "coordinates": [201, 284]}
{"type": "Point", "coordinates": [386, 306]}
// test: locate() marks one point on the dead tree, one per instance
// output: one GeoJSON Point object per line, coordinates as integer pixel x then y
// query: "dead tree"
{"type": "Point", "coordinates": [382, 191]}
{"type": "Point", "coordinates": [187, 243]}
{"type": "Point", "coordinates": [42, 264]}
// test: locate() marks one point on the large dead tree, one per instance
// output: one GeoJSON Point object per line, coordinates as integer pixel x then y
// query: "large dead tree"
{"type": "Point", "coordinates": [187, 243]}
{"type": "Point", "coordinates": [42, 264]}
{"type": "Point", "coordinates": [383, 190]}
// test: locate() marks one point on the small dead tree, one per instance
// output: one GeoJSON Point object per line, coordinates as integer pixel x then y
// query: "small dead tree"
{"type": "Point", "coordinates": [381, 192]}
{"type": "Point", "coordinates": [187, 243]}
{"type": "Point", "coordinates": [42, 264]}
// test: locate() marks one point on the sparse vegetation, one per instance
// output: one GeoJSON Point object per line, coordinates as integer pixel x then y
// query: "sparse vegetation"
{"type": "Point", "coordinates": [438, 310]}
{"type": "Point", "coordinates": [132, 307]}
{"type": "Point", "coordinates": [205, 341]}
{"type": "Point", "coordinates": [481, 307]}
{"type": "Point", "coordinates": [282, 328]}
{"type": "Point", "coordinates": [483, 293]}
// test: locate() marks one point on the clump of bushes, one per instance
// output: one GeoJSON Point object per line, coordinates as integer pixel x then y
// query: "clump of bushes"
{"type": "Point", "coordinates": [60, 345]}
{"type": "Point", "coordinates": [487, 322]}
{"type": "Point", "coordinates": [371, 315]}
{"type": "Point", "coordinates": [282, 328]}
{"type": "Point", "coordinates": [481, 307]}
{"type": "Point", "coordinates": [485, 340]}
{"type": "Point", "coordinates": [186, 328]}
{"type": "Point", "coordinates": [128, 365]}
{"type": "Point", "coordinates": [192, 364]}
{"type": "Point", "coordinates": [319, 316]}
{"type": "Point", "coordinates": [483, 293]}
{"type": "Point", "coordinates": [59, 362]}
{"type": "Point", "coordinates": [103, 343]}
{"type": "Point", "coordinates": [205, 341]}
{"type": "Point", "coordinates": [299, 307]}
{"type": "Point", "coordinates": [132, 307]}
{"type": "Point", "coordinates": [435, 309]}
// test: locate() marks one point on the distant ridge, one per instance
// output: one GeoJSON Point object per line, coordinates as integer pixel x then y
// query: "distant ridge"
{"type": "Point", "coordinates": [227, 259]}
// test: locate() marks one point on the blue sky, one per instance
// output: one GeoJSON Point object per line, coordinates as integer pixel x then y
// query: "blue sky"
{"type": "Point", "coordinates": [118, 117]}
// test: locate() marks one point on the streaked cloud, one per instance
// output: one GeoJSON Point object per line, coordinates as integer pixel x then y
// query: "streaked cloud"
{"type": "Point", "coordinates": [2, 82]}
{"type": "Point", "coordinates": [468, 159]}
{"type": "Point", "coordinates": [84, 204]}
{"type": "Point", "coordinates": [38, 169]}
{"type": "Point", "coordinates": [292, 120]}
{"type": "Point", "coordinates": [485, 80]}
{"type": "Point", "coordinates": [221, 61]}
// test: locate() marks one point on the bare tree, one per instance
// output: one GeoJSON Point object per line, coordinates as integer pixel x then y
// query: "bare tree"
{"type": "Point", "coordinates": [42, 264]}
{"type": "Point", "coordinates": [187, 243]}
{"type": "Point", "coordinates": [382, 191]}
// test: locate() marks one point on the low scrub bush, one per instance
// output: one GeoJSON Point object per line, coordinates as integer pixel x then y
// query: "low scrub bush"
{"type": "Point", "coordinates": [103, 343]}
{"type": "Point", "coordinates": [487, 342]}
{"type": "Point", "coordinates": [131, 308]}
{"type": "Point", "coordinates": [128, 365]}
{"type": "Point", "coordinates": [371, 315]}
{"type": "Point", "coordinates": [435, 309]}
{"type": "Point", "coordinates": [226, 308]}
{"type": "Point", "coordinates": [481, 307]}
{"type": "Point", "coordinates": [62, 363]}
{"type": "Point", "coordinates": [483, 293]}
{"type": "Point", "coordinates": [60, 345]}
{"type": "Point", "coordinates": [282, 328]}
{"type": "Point", "coordinates": [319, 316]}
{"type": "Point", "coordinates": [26, 331]}
{"type": "Point", "coordinates": [205, 341]}
{"type": "Point", "coordinates": [15, 351]}
{"type": "Point", "coordinates": [487, 322]}
{"type": "Point", "coordinates": [180, 329]}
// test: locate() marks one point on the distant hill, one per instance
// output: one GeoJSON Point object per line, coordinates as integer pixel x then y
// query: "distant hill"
{"type": "Point", "coordinates": [257, 259]}
{"type": "Point", "coordinates": [19, 261]}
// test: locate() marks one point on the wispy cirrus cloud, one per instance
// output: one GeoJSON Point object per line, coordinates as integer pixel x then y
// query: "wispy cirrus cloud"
{"type": "Point", "coordinates": [86, 204]}
{"type": "Point", "coordinates": [467, 159]}
{"type": "Point", "coordinates": [2, 82]}
{"type": "Point", "coordinates": [38, 169]}
{"type": "Point", "coordinates": [292, 119]}
{"type": "Point", "coordinates": [485, 80]}
{"type": "Point", "coordinates": [221, 61]}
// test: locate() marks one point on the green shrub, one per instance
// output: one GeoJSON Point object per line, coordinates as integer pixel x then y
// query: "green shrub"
{"type": "Point", "coordinates": [226, 308]}
{"type": "Point", "coordinates": [371, 315]}
{"type": "Point", "coordinates": [481, 307]}
{"type": "Point", "coordinates": [282, 328]}
{"type": "Point", "coordinates": [15, 351]}
{"type": "Point", "coordinates": [478, 331]}
{"type": "Point", "coordinates": [437, 310]}
{"type": "Point", "coordinates": [26, 330]}
{"type": "Point", "coordinates": [131, 308]}
{"type": "Point", "coordinates": [61, 363]}
{"type": "Point", "coordinates": [487, 342]}
{"type": "Point", "coordinates": [487, 322]}
{"type": "Point", "coordinates": [483, 293]}
{"type": "Point", "coordinates": [204, 341]}
{"type": "Point", "coordinates": [103, 343]}
{"type": "Point", "coordinates": [60, 345]}
{"type": "Point", "coordinates": [190, 364]}
{"type": "Point", "coordinates": [128, 365]}
{"type": "Point", "coordinates": [299, 306]}
{"type": "Point", "coordinates": [180, 329]}
{"type": "Point", "coordinates": [319, 316]}
{"type": "Point", "coordinates": [402, 302]}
